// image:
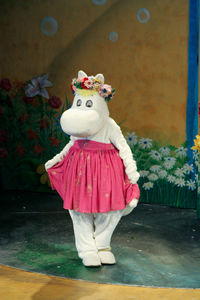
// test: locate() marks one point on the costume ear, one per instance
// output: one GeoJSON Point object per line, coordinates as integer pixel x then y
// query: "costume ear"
{"type": "Point", "coordinates": [82, 74]}
{"type": "Point", "coordinates": [100, 77]}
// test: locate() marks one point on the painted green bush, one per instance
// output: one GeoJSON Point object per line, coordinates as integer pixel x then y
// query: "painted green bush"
{"type": "Point", "coordinates": [166, 175]}
{"type": "Point", "coordinates": [30, 133]}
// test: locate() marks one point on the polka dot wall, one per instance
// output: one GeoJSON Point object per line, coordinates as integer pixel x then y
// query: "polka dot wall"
{"type": "Point", "coordinates": [140, 47]}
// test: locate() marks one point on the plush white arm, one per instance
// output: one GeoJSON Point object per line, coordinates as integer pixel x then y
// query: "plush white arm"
{"type": "Point", "coordinates": [59, 157]}
{"type": "Point", "coordinates": [118, 140]}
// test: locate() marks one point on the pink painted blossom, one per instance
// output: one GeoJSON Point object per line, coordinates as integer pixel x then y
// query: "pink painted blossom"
{"type": "Point", "coordinates": [5, 84]}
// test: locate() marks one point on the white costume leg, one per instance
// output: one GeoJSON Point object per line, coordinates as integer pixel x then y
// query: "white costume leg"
{"type": "Point", "coordinates": [84, 238]}
{"type": "Point", "coordinates": [105, 224]}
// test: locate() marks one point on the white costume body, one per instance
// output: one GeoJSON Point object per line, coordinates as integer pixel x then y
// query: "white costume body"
{"type": "Point", "coordinates": [93, 232]}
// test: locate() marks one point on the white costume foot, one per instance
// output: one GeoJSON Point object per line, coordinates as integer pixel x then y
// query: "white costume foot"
{"type": "Point", "coordinates": [91, 259]}
{"type": "Point", "coordinates": [107, 257]}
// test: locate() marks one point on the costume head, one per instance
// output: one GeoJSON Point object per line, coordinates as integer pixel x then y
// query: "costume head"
{"type": "Point", "coordinates": [89, 111]}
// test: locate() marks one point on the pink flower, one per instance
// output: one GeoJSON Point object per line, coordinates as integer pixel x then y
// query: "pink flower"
{"type": "Point", "coordinates": [89, 83]}
{"type": "Point", "coordinates": [55, 102]}
{"type": "Point", "coordinates": [3, 153]}
{"type": "Point", "coordinates": [3, 136]}
{"type": "Point", "coordinates": [5, 84]}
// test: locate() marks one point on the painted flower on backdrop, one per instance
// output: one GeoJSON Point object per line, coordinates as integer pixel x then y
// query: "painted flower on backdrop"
{"type": "Point", "coordinates": [5, 84]}
{"type": "Point", "coordinates": [155, 155]}
{"type": "Point", "coordinates": [165, 151]}
{"type": "Point", "coordinates": [196, 143]}
{"type": "Point", "coordinates": [153, 177]}
{"type": "Point", "coordinates": [168, 165]}
{"type": "Point", "coordinates": [162, 174]}
{"type": "Point", "coordinates": [179, 172]}
{"type": "Point", "coordinates": [181, 152]}
{"type": "Point", "coordinates": [148, 185]}
{"type": "Point", "coordinates": [38, 86]}
{"type": "Point", "coordinates": [131, 138]}
{"type": "Point", "coordinates": [188, 168]}
{"type": "Point", "coordinates": [155, 168]}
{"type": "Point", "coordinates": [171, 178]}
{"type": "Point", "coordinates": [191, 184]}
{"type": "Point", "coordinates": [170, 159]}
{"type": "Point", "coordinates": [180, 182]}
{"type": "Point", "coordinates": [144, 173]}
{"type": "Point", "coordinates": [145, 143]}
{"type": "Point", "coordinates": [55, 102]}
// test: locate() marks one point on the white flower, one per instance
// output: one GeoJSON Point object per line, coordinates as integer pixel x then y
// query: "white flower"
{"type": "Point", "coordinates": [162, 173]}
{"type": "Point", "coordinates": [168, 165]}
{"type": "Point", "coordinates": [144, 173]}
{"type": "Point", "coordinates": [131, 138]}
{"type": "Point", "coordinates": [197, 164]}
{"type": "Point", "coordinates": [171, 178]}
{"type": "Point", "coordinates": [188, 168]}
{"type": "Point", "coordinates": [170, 159]}
{"type": "Point", "coordinates": [181, 152]}
{"type": "Point", "coordinates": [155, 155]}
{"type": "Point", "coordinates": [153, 177]}
{"type": "Point", "coordinates": [164, 151]}
{"type": "Point", "coordinates": [195, 155]}
{"type": "Point", "coordinates": [180, 182]}
{"type": "Point", "coordinates": [145, 143]}
{"type": "Point", "coordinates": [191, 184]}
{"type": "Point", "coordinates": [179, 172]}
{"type": "Point", "coordinates": [148, 185]}
{"type": "Point", "coordinates": [155, 168]}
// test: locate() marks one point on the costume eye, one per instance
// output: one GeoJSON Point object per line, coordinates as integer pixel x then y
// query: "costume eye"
{"type": "Point", "coordinates": [89, 103]}
{"type": "Point", "coordinates": [79, 102]}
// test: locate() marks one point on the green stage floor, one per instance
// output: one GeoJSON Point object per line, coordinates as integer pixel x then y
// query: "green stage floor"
{"type": "Point", "coordinates": [154, 245]}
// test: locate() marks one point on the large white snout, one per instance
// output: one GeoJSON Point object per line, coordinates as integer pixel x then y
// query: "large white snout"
{"type": "Point", "coordinates": [81, 123]}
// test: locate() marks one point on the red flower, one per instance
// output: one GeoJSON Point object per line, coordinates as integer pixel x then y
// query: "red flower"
{"type": "Point", "coordinates": [32, 134]}
{"type": "Point", "coordinates": [54, 141]}
{"type": "Point", "coordinates": [5, 84]}
{"type": "Point", "coordinates": [83, 83]}
{"type": "Point", "coordinates": [3, 136]}
{"type": "Point", "coordinates": [3, 153]}
{"type": "Point", "coordinates": [55, 102]}
{"type": "Point", "coordinates": [28, 100]}
{"type": "Point", "coordinates": [43, 123]}
{"type": "Point", "coordinates": [20, 149]}
{"type": "Point", "coordinates": [38, 149]}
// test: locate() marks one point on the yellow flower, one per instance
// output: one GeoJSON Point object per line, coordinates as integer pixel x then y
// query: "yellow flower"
{"type": "Point", "coordinates": [196, 143]}
{"type": "Point", "coordinates": [44, 179]}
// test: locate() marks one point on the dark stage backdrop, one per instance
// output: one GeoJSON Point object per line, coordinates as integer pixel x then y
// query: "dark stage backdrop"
{"type": "Point", "coordinates": [147, 50]}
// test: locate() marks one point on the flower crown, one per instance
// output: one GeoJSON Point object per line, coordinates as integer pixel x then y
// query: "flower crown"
{"type": "Point", "coordinates": [93, 85]}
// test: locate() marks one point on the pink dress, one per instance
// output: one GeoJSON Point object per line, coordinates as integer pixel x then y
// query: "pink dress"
{"type": "Point", "coordinates": [91, 178]}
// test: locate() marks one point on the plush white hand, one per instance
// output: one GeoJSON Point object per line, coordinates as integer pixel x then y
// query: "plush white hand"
{"type": "Point", "coordinates": [128, 209]}
{"type": "Point", "coordinates": [50, 163]}
{"type": "Point", "coordinates": [133, 203]}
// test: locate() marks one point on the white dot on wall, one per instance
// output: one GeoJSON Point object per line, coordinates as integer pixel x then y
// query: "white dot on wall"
{"type": "Point", "coordinates": [99, 2]}
{"type": "Point", "coordinates": [113, 36]}
{"type": "Point", "coordinates": [143, 15]}
{"type": "Point", "coordinates": [49, 26]}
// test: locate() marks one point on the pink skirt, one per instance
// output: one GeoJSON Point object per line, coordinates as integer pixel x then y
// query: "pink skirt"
{"type": "Point", "coordinates": [92, 179]}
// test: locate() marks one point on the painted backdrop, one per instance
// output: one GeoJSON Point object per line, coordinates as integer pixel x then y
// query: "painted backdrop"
{"type": "Point", "coordinates": [141, 47]}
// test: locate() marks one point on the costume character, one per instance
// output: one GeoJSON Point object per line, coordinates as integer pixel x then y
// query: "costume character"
{"type": "Point", "coordinates": [95, 174]}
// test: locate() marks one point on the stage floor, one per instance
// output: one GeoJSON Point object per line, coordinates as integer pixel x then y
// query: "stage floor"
{"type": "Point", "coordinates": [154, 246]}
